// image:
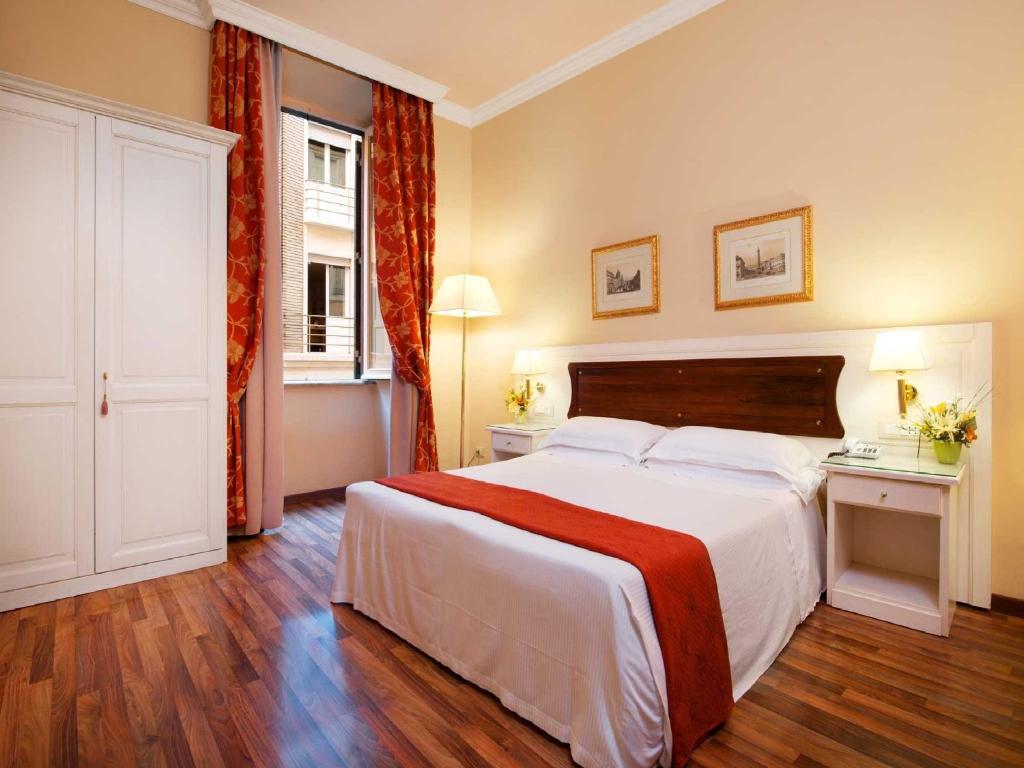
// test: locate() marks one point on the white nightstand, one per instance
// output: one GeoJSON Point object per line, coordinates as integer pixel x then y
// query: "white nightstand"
{"type": "Point", "coordinates": [892, 539]}
{"type": "Point", "coordinates": [511, 440]}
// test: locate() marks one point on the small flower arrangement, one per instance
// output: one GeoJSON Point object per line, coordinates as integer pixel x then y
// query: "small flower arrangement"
{"type": "Point", "coordinates": [518, 401]}
{"type": "Point", "coordinates": [950, 425]}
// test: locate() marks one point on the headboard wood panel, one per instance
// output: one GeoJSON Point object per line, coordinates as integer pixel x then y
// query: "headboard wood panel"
{"type": "Point", "coordinates": [785, 395]}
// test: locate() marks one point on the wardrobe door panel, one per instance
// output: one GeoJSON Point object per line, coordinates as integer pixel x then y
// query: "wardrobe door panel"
{"type": "Point", "coordinates": [160, 303]}
{"type": "Point", "coordinates": [46, 341]}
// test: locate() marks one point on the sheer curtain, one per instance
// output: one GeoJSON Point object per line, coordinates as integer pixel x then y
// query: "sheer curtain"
{"type": "Point", "coordinates": [263, 406]}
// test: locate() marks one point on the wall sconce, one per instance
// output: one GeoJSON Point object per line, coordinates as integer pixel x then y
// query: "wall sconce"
{"type": "Point", "coordinates": [899, 351]}
{"type": "Point", "coordinates": [528, 363]}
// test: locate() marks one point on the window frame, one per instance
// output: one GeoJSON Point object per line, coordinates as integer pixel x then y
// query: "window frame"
{"type": "Point", "coordinates": [360, 283]}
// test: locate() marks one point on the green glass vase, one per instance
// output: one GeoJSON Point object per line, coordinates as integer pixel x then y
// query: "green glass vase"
{"type": "Point", "coordinates": [947, 453]}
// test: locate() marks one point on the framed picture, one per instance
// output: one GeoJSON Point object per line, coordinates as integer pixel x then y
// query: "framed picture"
{"type": "Point", "coordinates": [764, 260]}
{"type": "Point", "coordinates": [624, 278]}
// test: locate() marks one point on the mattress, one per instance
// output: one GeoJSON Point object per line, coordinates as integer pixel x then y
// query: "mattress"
{"type": "Point", "coordinates": [562, 635]}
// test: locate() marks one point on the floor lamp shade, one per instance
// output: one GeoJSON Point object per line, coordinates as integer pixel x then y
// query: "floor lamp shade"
{"type": "Point", "coordinates": [464, 296]}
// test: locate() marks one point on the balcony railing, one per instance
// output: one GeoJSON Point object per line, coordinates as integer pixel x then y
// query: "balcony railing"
{"type": "Point", "coordinates": [330, 205]}
{"type": "Point", "coordinates": [319, 336]}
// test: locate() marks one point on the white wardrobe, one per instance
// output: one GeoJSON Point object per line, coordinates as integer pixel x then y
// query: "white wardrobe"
{"type": "Point", "coordinates": [112, 343]}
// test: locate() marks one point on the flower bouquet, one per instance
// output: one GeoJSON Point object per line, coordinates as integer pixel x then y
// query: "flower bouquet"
{"type": "Point", "coordinates": [950, 425]}
{"type": "Point", "coordinates": [518, 401]}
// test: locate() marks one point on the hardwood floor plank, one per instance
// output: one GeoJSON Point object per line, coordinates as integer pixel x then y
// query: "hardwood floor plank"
{"type": "Point", "coordinates": [63, 702]}
{"type": "Point", "coordinates": [248, 664]}
{"type": "Point", "coordinates": [15, 694]}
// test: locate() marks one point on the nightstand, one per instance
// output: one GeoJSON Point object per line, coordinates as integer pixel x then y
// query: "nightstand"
{"type": "Point", "coordinates": [511, 440]}
{"type": "Point", "coordinates": [892, 539]}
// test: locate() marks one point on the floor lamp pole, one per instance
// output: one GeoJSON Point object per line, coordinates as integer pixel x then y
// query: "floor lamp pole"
{"type": "Point", "coordinates": [462, 400]}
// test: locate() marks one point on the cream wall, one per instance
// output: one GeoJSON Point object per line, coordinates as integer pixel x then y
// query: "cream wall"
{"type": "Point", "coordinates": [333, 435]}
{"type": "Point", "coordinates": [109, 48]}
{"type": "Point", "coordinates": [452, 164]}
{"type": "Point", "coordinates": [898, 121]}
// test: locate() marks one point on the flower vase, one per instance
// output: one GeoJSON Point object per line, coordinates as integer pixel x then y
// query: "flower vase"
{"type": "Point", "coordinates": [520, 417]}
{"type": "Point", "coordinates": [947, 453]}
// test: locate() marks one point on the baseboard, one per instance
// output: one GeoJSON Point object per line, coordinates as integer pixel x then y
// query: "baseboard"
{"type": "Point", "coordinates": [79, 585]}
{"type": "Point", "coordinates": [337, 494]}
{"type": "Point", "coordinates": [1011, 606]}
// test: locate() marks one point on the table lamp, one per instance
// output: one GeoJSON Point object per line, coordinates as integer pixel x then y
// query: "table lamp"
{"type": "Point", "coordinates": [899, 351]}
{"type": "Point", "coordinates": [464, 296]}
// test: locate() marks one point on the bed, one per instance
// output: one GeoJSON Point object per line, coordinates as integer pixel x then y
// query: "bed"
{"type": "Point", "coordinates": [562, 635]}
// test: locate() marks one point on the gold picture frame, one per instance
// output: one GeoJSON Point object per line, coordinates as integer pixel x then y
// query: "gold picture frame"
{"type": "Point", "coordinates": [769, 280]}
{"type": "Point", "coordinates": [615, 297]}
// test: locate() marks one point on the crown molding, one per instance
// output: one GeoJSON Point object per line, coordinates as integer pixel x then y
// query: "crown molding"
{"type": "Point", "coordinates": [456, 113]}
{"type": "Point", "coordinates": [194, 12]}
{"type": "Point", "coordinates": [201, 13]}
{"type": "Point", "coordinates": [304, 40]}
{"type": "Point", "coordinates": [660, 20]}
{"type": "Point", "coordinates": [78, 100]}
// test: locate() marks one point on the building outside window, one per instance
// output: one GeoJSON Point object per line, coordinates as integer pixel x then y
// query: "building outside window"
{"type": "Point", "coordinates": [320, 225]}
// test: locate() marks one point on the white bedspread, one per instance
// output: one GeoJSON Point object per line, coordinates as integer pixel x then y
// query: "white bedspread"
{"type": "Point", "coordinates": [564, 636]}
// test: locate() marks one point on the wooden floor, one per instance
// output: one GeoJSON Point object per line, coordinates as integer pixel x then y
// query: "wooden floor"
{"type": "Point", "coordinates": [248, 663]}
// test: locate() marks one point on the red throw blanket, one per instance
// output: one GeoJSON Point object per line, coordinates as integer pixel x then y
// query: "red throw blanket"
{"type": "Point", "coordinates": [676, 568]}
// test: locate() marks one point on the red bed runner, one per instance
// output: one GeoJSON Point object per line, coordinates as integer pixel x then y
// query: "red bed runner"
{"type": "Point", "coordinates": [676, 568]}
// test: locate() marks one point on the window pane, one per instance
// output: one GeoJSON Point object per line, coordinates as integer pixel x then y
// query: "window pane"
{"type": "Point", "coordinates": [337, 167]}
{"type": "Point", "coordinates": [316, 162]}
{"type": "Point", "coordinates": [316, 328]}
{"type": "Point", "coordinates": [336, 299]}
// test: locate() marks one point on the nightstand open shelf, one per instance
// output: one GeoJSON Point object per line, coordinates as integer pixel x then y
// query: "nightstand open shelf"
{"type": "Point", "coordinates": [891, 543]}
{"type": "Point", "coordinates": [918, 592]}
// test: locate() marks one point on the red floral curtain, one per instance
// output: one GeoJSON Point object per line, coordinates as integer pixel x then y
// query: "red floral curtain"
{"type": "Point", "coordinates": [236, 105]}
{"type": "Point", "coordinates": [403, 222]}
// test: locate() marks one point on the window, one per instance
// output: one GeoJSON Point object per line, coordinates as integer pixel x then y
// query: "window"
{"type": "Point", "coordinates": [330, 330]}
{"type": "Point", "coordinates": [331, 316]}
{"type": "Point", "coordinates": [316, 161]}
{"type": "Point", "coordinates": [338, 277]}
{"type": "Point", "coordinates": [325, 163]}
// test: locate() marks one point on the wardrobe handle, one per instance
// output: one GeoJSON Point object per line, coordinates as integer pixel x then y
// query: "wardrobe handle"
{"type": "Point", "coordinates": [104, 406]}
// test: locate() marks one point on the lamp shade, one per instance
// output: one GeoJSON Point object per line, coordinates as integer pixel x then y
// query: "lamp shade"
{"type": "Point", "coordinates": [898, 351]}
{"type": "Point", "coordinates": [465, 296]}
{"type": "Point", "coordinates": [527, 362]}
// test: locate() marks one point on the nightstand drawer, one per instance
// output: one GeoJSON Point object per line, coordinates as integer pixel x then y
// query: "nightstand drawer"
{"type": "Point", "coordinates": [898, 495]}
{"type": "Point", "coordinates": [510, 443]}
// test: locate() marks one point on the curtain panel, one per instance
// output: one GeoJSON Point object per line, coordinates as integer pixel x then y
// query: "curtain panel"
{"type": "Point", "coordinates": [263, 405]}
{"type": "Point", "coordinates": [236, 104]}
{"type": "Point", "coordinates": [403, 220]}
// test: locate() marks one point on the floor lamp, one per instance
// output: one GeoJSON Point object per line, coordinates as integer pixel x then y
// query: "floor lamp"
{"type": "Point", "coordinates": [464, 296]}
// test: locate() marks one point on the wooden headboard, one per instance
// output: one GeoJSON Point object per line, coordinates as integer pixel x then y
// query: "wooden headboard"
{"type": "Point", "coordinates": [785, 395]}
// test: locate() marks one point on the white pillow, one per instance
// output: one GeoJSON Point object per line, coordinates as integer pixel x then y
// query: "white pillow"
{"type": "Point", "coordinates": [806, 486]}
{"type": "Point", "coordinates": [589, 455]}
{"type": "Point", "coordinates": [735, 449]}
{"type": "Point", "coordinates": [630, 438]}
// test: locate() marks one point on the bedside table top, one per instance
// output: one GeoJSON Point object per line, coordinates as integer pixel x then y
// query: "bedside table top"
{"type": "Point", "coordinates": [898, 467]}
{"type": "Point", "coordinates": [526, 428]}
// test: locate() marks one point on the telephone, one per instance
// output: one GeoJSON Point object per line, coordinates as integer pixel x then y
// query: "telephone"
{"type": "Point", "coordinates": [857, 449]}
